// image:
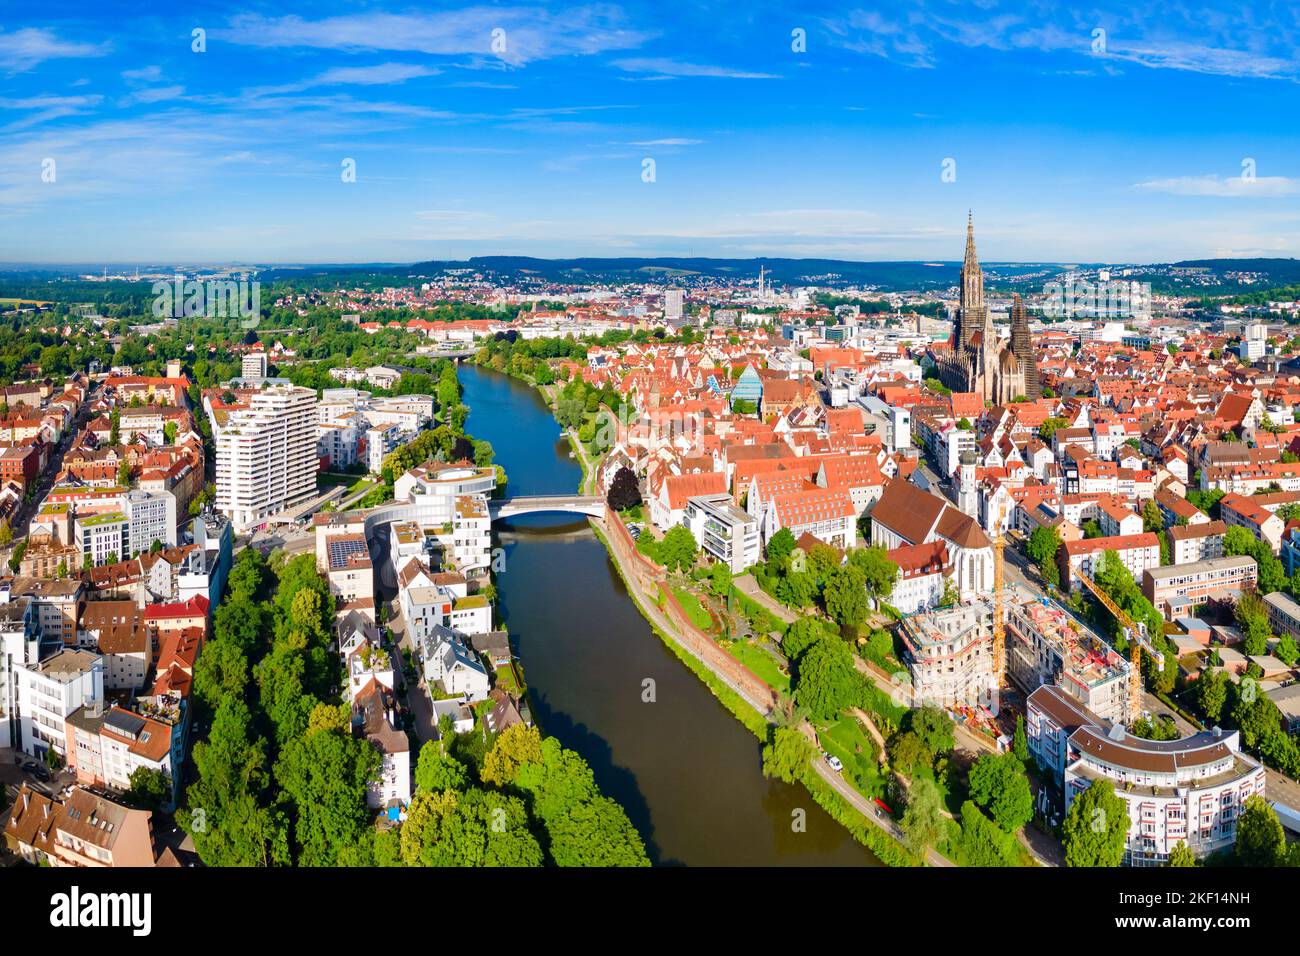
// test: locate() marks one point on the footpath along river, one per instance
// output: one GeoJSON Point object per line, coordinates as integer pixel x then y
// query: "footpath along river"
{"type": "Point", "coordinates": [687, 772]}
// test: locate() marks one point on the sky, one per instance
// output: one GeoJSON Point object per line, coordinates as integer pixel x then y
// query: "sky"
{"type": "Point", "coordinates": [368, 132]}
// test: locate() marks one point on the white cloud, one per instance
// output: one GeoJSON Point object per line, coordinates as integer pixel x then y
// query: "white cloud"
{"type": "Point", "coordinates": [672, 141]}
{"type": "Point", "coordinates": [1261, 187]}
{"type": "Point", "coordinates": [381, 74]}
{"type": "Point", "coordinates": [23, 49]}
{"type": "Point", "coordinates": [530, 33]}
{"type": "Point", "coordinates": [664, 67]}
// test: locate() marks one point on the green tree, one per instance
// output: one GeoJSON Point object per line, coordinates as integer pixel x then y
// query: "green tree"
{"type": "Point", "coordinates": [149, 788]}
{"type": "Point", "coordinates": [878, 573]}
{"type": "Point", "coordinates": [826, 681]}
{"type": "Point", "coordinates": [1260, 838]}
{"type": "Point", "coordinates": [999, 785]}
{"type": "Point", "coordinates": [845, 596]}
{"type": "Point", "coordinates": [437, 771]}
{"type": "Point", "coordinates": [1211, 694]}
{"type": "Point", "coordinates": [933, 726]}
{"type": "Point", "coordinates": [1020, 743]}
{"type": "Point", "coordinates": [517, 746]}
{"type": "Point", "coordinates": [923, 820]}
{"type": "Point", "coordinates": [786, 756]}
{"type": "Point", "coordinates": [677, 550]}
{"type": "Point", "coordinates": [1096, 827]}
{"type": "Point", "coordinates": [1181, 855]}
{"type": "Point", "coordinates": [780, 546]}
{"type": "Point", "coordinates": [326, 773]}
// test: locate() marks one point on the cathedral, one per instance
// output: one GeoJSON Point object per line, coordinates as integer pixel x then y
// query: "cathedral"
{"type": "Point", "coordinates": [974, 361]}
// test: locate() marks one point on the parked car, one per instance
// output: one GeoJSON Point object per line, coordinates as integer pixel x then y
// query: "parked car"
{"type": "Point", "coordinates": [834, 763]}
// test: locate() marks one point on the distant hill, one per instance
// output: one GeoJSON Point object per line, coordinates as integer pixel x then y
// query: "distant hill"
{"type": "Point", "coordinates": [887, 276]}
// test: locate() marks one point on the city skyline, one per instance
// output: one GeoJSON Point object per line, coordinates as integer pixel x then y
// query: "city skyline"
{"type": "Point", "coordinates": [1077, 136]}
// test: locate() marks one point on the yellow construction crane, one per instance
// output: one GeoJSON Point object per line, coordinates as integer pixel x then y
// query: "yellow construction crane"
{"type": "Point", "coordinates": [1136, 636]}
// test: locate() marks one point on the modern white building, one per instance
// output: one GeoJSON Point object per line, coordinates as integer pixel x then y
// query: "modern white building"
{"type": "Point", "coordinates": [51, 690]}
{"type": "Point", "coordinates": [1190, 790]}
{"type": "Point", "coordinates": [103, 538]}
{"type": "Point", "coordinates": [725, 531]}
{"type": "Point", "coordinates": [266, 453]}
{"type": "Point", "coordinates": [253, 365]}
{"type": "Point", "coordinates": [150, 516]}
{"type": "Point", "coordinates": [20, 646]}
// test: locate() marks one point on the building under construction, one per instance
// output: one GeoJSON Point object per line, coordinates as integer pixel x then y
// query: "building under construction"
{"type": "Point", "coordinates": [1046, 644]}
{"type": "Point", "coordinates": [949, 655]}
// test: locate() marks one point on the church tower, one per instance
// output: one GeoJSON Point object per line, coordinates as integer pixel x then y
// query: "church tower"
{"type": "Point", "coordinates": [1024, 349]}
{"type": "Point", "coordinates": [970, 311]}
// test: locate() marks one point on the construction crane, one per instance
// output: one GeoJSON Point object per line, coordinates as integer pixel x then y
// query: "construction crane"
{"type": "Point", "coordinates": [1138, 639]}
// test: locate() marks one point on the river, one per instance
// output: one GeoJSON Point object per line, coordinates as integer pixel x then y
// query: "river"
{"type": "Point", "coordinates": [687, 772]}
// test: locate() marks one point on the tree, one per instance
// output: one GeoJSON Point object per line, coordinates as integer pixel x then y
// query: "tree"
{"type": "Point", "coordinates": [1042, 547]}
{"type": "Point", "coordinates": [1211, 693]}
{"type": "Point", "coordinates": [326, 773]}
{"type": "Point", "coordinates": [923, 820]}
{"type": "Point", "coordinates": [719, 579]}
{"type": "Point", "coordinates": [878, 572]}
{"type": "Point", "coordinates": [1151, 517]}
{"type": "Point", "coordinates": [624, 492]}
{"type": "Point", "coordinates": [908, 753]}
{"type": "Point", "coordinates": [1181, 855]}
{"type": "Point", "coordinates": [845, 596]}
{"type": "Point", "coordinates": [517, 746]}
{"type": "Point", "coordinates": [786, 756]}
{"type": "Point", "coordinates": [150, 788]}
{"type": "Point", "coordinates": [826, 681]}
{"type": "Point", "coordinates": [933, 726]}
{"type": "Point", "coordinates": [780, 546]}
{"type": "Point", "coordinates": [437, 771]}
{"type": "Point", "coordinates": [1260, 838]}
{"type": "Point", "coordinates": [1096, 827]}
{"type": "Point", "coordinates": [6, 534]}
{"type": "Point", "coordinates": [999, 785]}
{"type": "Point", "coordinates": [677, 550]}
{"type": "Point", "coordinates": [124, 473]}
{"type": "Point", "coordinates": [801, 635]}
{"type": "Point", "coordinates": [115, 427]}
{"type": "Point", "coordinates": [1019, 743]}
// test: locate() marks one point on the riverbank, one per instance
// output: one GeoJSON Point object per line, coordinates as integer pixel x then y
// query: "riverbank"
{"type": "Point", "coordinates": [744, 696]}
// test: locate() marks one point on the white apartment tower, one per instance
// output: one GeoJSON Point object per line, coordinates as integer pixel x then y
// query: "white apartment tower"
{"type": "Point", "coordinates": [266, 454]}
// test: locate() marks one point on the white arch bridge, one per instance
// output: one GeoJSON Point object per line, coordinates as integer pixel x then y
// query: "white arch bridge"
{"type": "Point", "coordinates": [590, 505]}
{"type": "Point", "coordinates": [499, 509]}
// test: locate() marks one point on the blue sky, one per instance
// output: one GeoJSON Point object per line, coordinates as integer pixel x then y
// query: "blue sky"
{"type": "Point", "coordinates": [1069, 143]}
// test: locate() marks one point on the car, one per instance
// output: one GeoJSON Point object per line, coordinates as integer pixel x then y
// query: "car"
{"type": "Point", "coordinates": [834, 762]}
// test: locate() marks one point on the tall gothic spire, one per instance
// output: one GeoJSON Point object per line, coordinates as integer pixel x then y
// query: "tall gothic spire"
{"type": "Point", "coordinates": [970, 315]}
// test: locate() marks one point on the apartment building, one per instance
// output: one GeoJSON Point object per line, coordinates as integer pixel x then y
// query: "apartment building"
{"type": "Point", "coordinates": [1176, 589]}
{"type": "Point", "coordinates": [103, 538]}
{"type": "Point", "coordinates": [109, 746]}
{"type": "Point", "coordinates": [1246, 512]}
{"type": "Point", "coordinates": [51, 690]}
{"type": "Point", "coordinates": [1137, 552]}
{"type": "Point", "coordinates": [1190, 790]}
{"type": "Point", "coordinates": [150, 517]}
{"type": "Point", "coordinates": [266, 452]}
{"type": "Point", "coordinates": [20, 646]}
{"type": "Point", "coordinates": [86, 830]}
{"type": "Point", "coordinates": [1196, 542]}
{"type": "Point", "coordinates": [1283, 613]}
{"type": "Point", "coordinates": [924, 571]}
{"type": "Point", "coordinates": [726, 532]}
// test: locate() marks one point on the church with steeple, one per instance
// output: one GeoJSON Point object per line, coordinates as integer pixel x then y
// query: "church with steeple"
{"type": "Point", "coordinates": [974, 361]}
